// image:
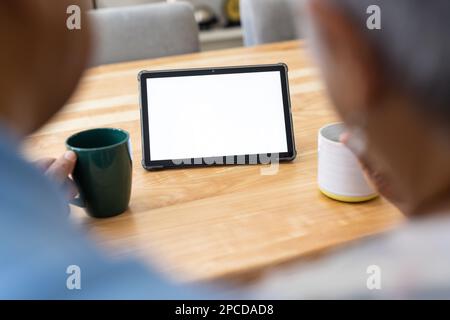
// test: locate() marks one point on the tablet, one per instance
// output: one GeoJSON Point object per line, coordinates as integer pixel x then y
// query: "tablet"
{"type": "Point", "coordinates": [216, 116]}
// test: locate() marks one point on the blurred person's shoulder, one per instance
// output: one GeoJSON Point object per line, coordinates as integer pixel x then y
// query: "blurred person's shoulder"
{"type": "Point", "coordinates": [412, 261]}
{"type": "Point", "coordinates": [23, 189]}
{"type": "Point", "coordinates": [39, 245]}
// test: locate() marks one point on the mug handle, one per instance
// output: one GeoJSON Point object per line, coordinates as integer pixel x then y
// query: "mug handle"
{"type": "Point", "coordinates": [78, 201]}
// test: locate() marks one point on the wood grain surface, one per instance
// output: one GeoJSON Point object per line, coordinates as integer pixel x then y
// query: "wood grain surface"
{"type": "Point", "coordinates": [207, 223]}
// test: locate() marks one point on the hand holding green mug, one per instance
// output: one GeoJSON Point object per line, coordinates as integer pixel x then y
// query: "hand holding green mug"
{"type": "Point", "coordinates": [103, 172]}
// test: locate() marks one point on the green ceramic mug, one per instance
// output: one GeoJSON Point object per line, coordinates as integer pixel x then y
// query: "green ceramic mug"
{"type": "Point", "coordinates": [103, 171]}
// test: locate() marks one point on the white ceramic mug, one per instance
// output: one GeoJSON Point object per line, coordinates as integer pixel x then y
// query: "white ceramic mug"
{"type": "Point", "coordinates": [340, 176]}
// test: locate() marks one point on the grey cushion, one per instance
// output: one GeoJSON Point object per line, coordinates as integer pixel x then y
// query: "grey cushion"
{"type": "Point", "coordinates": [266, 21]}
{"type": "Point", "coordinates": [121, 3]}
{"type": "Point", "coordinates": [143, 32]}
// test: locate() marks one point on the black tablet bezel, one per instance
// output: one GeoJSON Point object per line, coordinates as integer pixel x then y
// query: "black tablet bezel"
{"type": "Point", "coordinates": [199, 162]}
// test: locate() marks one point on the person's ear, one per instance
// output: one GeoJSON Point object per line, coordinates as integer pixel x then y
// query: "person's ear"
{"type": "Point", "coordinates": [350, 65]}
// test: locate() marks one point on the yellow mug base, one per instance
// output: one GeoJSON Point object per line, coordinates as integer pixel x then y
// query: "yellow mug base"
{"type": "Point", "coordinates": [347, 198]}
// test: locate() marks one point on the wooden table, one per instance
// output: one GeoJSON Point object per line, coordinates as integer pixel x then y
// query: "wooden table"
{"type": "Point", "coordinates": [199, 224]}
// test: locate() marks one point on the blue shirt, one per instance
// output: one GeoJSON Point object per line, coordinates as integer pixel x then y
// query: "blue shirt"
{"type": "Point", "coordinates": [38, 244]}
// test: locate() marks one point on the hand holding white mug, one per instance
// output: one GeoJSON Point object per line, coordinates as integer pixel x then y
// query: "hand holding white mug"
{"type": "Point", "coordinates": [340, 175]}
{"type": "Point", "coordinates": [379, 179]}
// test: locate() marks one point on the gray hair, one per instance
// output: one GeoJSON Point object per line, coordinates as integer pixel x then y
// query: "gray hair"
{"type": "Point", "coordinates": [414, 43]}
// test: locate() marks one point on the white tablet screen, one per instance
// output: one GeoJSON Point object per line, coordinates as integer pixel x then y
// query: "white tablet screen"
{"type": "Point", "coordinates": [216, 115]}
